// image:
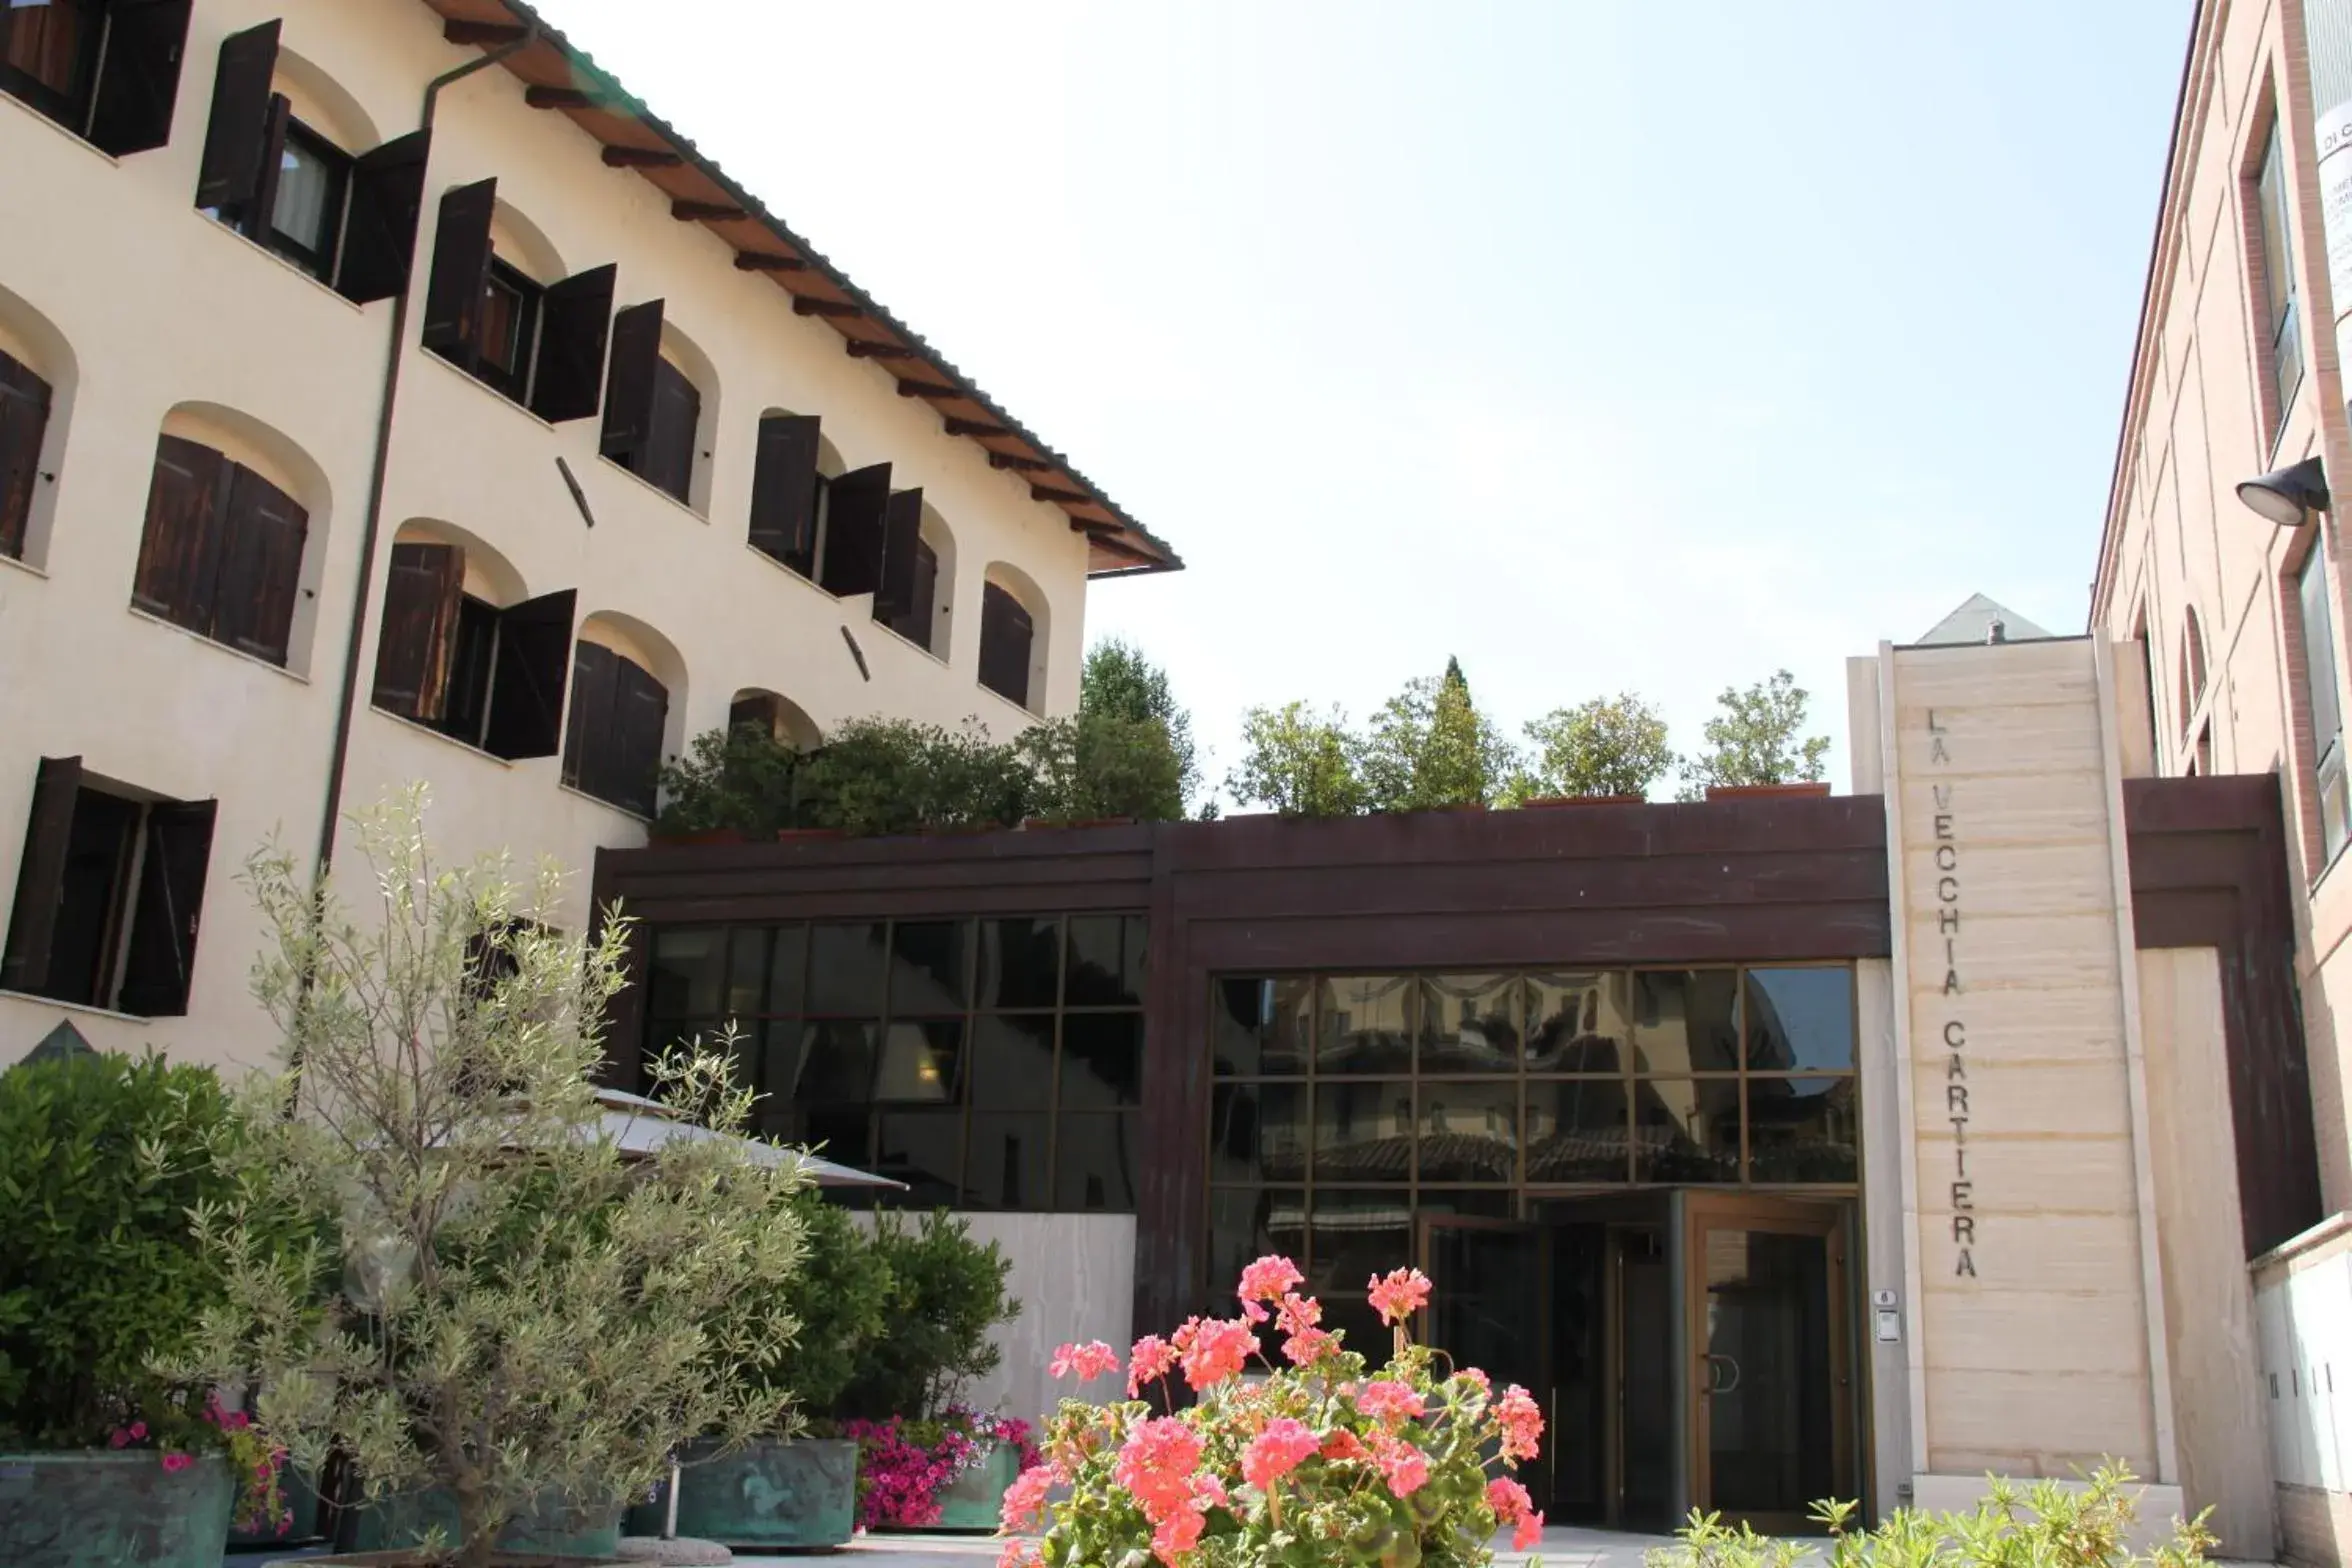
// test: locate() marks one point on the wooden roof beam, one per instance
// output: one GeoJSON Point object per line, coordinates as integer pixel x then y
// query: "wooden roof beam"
{"type": "Point", "coordinates": [1026, 465]}
{"type": "Point", "coordinates": [809, 305]}
{"type": "Point", "coordinates": [860, 349]}
{"type": "Point", "coordinates": [929, 390]}
{"type": "Point", "coordinates": [488, 34]}
{"type": "Point", "coordinates": [975, 427]}
{"type": "Point", "coordinates": [558, 98]}
{"type": "Point", "coordinates": [1069, 497]}
{"type": "Point", "coordinates": [761, 261]}
{"type": "Point", "coordinates": [705, 211]}
{"type": "Point", "coordinates": [642, 158]}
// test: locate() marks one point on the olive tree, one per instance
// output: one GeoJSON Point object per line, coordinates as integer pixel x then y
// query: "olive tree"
{"type": "Point", "coordinates": [513, 1313]}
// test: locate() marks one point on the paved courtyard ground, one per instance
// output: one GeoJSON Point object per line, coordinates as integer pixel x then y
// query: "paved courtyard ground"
{"type": "Point", "coordinates": [1562, 1548]}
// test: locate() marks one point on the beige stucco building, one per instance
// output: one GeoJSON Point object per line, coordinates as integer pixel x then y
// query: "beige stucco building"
{"type": "Point", "coordinates": [385, 396]}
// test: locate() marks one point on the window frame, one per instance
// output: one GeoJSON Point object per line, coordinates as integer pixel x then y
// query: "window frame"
{"type": "Point", "coordinates": [526, 315]}
{"type": "Point", "coordinates": [322, 262]}
{"type": "Point", "coordinates": [2277, 300]}
{"type": "Point", "coordinates": [68, 106]}
{"type": "Point", "coordinates": [2315, 644]}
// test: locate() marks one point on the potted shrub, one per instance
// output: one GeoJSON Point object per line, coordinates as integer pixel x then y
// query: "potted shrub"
{"type": "Point", "coordinates": [518, 1323]}
{"type": "Point", "coordinates": [927, 1461]}
{"type": "Point", "coordinates": [796, 1485]}
{"type": "Point", "coordinates": [102, 1458]}
{"type": "Point", "coordinates": [1322, 1454]}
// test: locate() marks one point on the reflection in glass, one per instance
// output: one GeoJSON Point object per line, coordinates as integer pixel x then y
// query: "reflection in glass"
{"type": "Point", "coordinates": [1802, 1129]}
{"type": "Point", "coordinates": [1578, 1022]}
{"type": "Point", "coordinates": [927, 966]}
{"type": "Point", "coordinates": [1246, 1223]}
{"type": "Point", "coordinates": [846, 969]}
{"type": "Point", "coordinates": [1007, 1163]}
{"type": "Point", "coordinates": [1106, 961]}
{"type": "Point", "coordinates": [1576, 1130]}
{"type": "Point", "coordinates": [1012, 1062]}
{"type": "Point", "coordinates": [1686, 1021]}
{"type": "Point", "coordinates": [1686, 1129]}
{"type": "Point", "coordinates": [684, 977]}
{"type": "Point", "coordinates": [1484, 1203]}
{"type": "Point", "coordinates": [779, 1064]}
{"type": "Point", "coordinates": [1770, 1420]}
{"type": "Point", "coordinates": [1469, 1024]}
{"type": "Point", "coordinates": [788, 970]}
{"type": "Point", "coordinates": [1257, 1132]}
{"type": "Point", "coordinates": [747, 972]}
{"type": "Point", "coordinates": [1364, 1025]}
{"type": "Point", "coordinates": [1357, 1235]}
{"type": "Point", "coordinates": [1261, 1026]}
{"type": "Point", "coordinates": [1469, 1131]}
{"type": "Point", "coordinates": [836, 1063]}
{"type": "Point", "coordinates": [1363, 1131]}
{"type": "Point", "coordinates": [842, 1136]}
{"type": "Point", "coordinates": [919, 1060]}
{"type": "Point", "coordinates": [924, 1149]}
{"type": "Point", "coordinates": [1020, 963]}
{"type": "Point", "coordinates": [1102, 1061]}
{"type": "Point", "coordinates": [1801, 1020]}
{"type": "Point", "coordinates": [1095, 1164]}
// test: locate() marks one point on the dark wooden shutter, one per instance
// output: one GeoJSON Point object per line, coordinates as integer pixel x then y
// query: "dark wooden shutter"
{"type": "Point", "coordinates": [231, 171]}
{"type": "Point", "coordinates": [461, 272]}
{"type": "Point", "coordinates": [1005, 635]}
{"type": "Point", "coordinates": [922, 616]}
{"type": "Point", "coordinates": [628, 384]}
{"type": "Point", "coordinates": [668, 458]}
{"type": "Point", "coordinates": [527, 679]}
{"type": "Point", "coordinates": [641, 710]}
{"type": "Point", "coordinates": [179, 554]}
{"type": "Point", "coordinates": [574, 319]}
{"type": "Point", "coordinates": [902, 533]}
{"type": "Point", "coordinates": [379, 235]}
{"type": "Point", "coordinates": [261, 566]}
{"type": "Point", "coordinates": [263, 207]}
{"type": "Point", "coordinates": [40, 875]}
{"type": "Point", "coordinates": [784, 490]}
{"type": "Point", "coordinates": [162, 951]}
{"type": "Point", "coordinates": [422, 591]}
{"type": "Point", "coordinates": [587, 753]}
{"type": "Point", "coordinates": [139, 78]}
{"type": "Point", "coordinates": [853, 531]}
{"type": "Point", "coordinates": [24, 421]}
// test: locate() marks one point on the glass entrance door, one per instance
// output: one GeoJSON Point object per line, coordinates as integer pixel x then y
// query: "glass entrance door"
{"type": "Point", "coordinates": [1771, 1396]}
{"type": "Point", "coordinates": [1486, 1309]}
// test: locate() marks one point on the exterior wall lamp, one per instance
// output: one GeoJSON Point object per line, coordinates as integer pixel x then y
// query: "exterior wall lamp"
{"type": "Point", "coordinates": [2288, 496]}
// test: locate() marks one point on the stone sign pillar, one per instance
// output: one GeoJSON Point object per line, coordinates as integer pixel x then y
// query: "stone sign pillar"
{"type": "Point", "coordinates": [2037, 1342]}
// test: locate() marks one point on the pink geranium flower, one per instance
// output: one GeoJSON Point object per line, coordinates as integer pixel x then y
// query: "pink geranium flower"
{"type": "Point", "coordinates": [1343, 1444]}
{"type": "Point", "coordinates": [1390, 1403]}
{"type": "Point", "coordinates": [1024, 1500]}
{"type": "Point", "coordinates": [1529, 1535]}
{"type": "Point", "coordinates": [1297, 1313]}
{"type": "Point", "coordinates": [1089, 1361]}
{"type": "Point", "coordinates": [1019, 1554]}
{"type": "Point", "coordinates": [1398, 1295]}
{"type": "Point", "coordinates": [1214, 1349]}
{"type": "Point", "coordinates": [1309, 1345]}
{"type": "Point", "coordinates": [1268, 1279]}
{"type": "Point", "coordinates": [1402, 1465]}
{"type": "Point", "coordinates": [1156, 1465]}
{"type": "Point", "coordinates": [1282, 1447]}
{"type": "Point", "coordinates": [177, 1462]}
{"type": "Point", "coordinates": [1153, 1358]}
{"type": "Point", "coordinates": [1522, 1423]}
{"type": "Point", "coordinates": [1509, 1500]}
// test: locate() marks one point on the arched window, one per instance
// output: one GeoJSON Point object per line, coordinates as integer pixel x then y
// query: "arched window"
{"type": "Point", "coordinates": [627, 681]}
{"type": "Point", "coordinates": [2192, 684]}
{"type": "Point", "coordinates": [777, 717]}
{"type": "Point", "coordinates": [460, 649]}
{"type": "Point", "coordinates": [36, 384]}
{"type": "Point", "coordinates": [292, 162]}
{"type": "Point", "coordinates": [495, 308]}
{"type": "Point", "coordinates": [1013, 633]}
{"type": "Point", "coordinates": [231, 542]}
{"type": "Point", "coordinates": [661, 404]}
{"type": "Point", "coordinates": [828, 525]}
{"type": "Point", "coordinates": [918, 611]}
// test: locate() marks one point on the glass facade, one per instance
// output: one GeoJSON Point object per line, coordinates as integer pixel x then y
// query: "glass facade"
{"type": "Point", "coordinates": [987, 1063]}
{"type": "Point", "coordinates": [1343, 1106]}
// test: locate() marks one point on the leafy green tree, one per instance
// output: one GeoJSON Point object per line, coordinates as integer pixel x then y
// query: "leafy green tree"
{"type": "Point", "coordinates": [1430, 746]}
{"type": "Point", "coordinates": [1298, 761]}
{"type": "Point", "coordinates": [840, 1300]}
{"type": "Point", "coordinates": [1606, 746]}
{"type": "Point", "coordinates": [1120, 682]}
{"type": "Point", "coordinates": [1102, 764]}
{"type": "Point", "coordinates": [1758, 738]}
{"type": "Point", "coordinates": [947, 1294]}
{"type": "Point", "coordinates": [516, 1316]}
{"type": "Point", "coordinates": [878, 776]}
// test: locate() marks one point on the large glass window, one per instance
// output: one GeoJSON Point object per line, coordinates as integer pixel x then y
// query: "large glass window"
{"type": "Point", "coordinates": [1342, 1105]}
{"type": "Point", "coordinates": [989, 1064]}
{"type": "Point", "coordinates": [2321, 704]}
{"type": "Point", "coordinates": [2276, 265]}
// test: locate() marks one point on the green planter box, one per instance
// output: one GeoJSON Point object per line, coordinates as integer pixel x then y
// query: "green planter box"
{"type": "Point", "coordinates": [301, 1501]}
{"type": "Point", "coordinates": [553, 1531]}
{"type": "Point", "coordinates": [975, 1499]}
{"type": "Point", "coordinates": [112, 1510]}
{"type": "Point", "coordinates": [764, 1495]}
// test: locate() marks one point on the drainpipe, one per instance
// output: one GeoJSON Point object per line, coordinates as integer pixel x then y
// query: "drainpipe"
{"type": "Point", "coordinates": [372, 525]}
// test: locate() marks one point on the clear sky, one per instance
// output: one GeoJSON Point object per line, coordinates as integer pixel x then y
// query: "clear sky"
{"type": "Point", "coordinates": [1608, 346]}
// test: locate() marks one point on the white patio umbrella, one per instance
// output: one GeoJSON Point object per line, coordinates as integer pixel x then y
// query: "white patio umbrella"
{"type": "Point", "coordinates": [638, 1126]}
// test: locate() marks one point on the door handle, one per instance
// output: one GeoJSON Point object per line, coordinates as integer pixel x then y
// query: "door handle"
{"type": "Point", "coordinates": [1723, 1373]}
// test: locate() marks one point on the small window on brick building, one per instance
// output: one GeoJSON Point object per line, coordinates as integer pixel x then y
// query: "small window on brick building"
{"type": "Point", "coordinates": [109, 894]}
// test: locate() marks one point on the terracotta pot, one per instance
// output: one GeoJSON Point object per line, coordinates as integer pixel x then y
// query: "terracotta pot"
{"type": "Point", "coordinates": [1750, 791]}
{"type": "Point", "coordinates": [1547, 802]}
